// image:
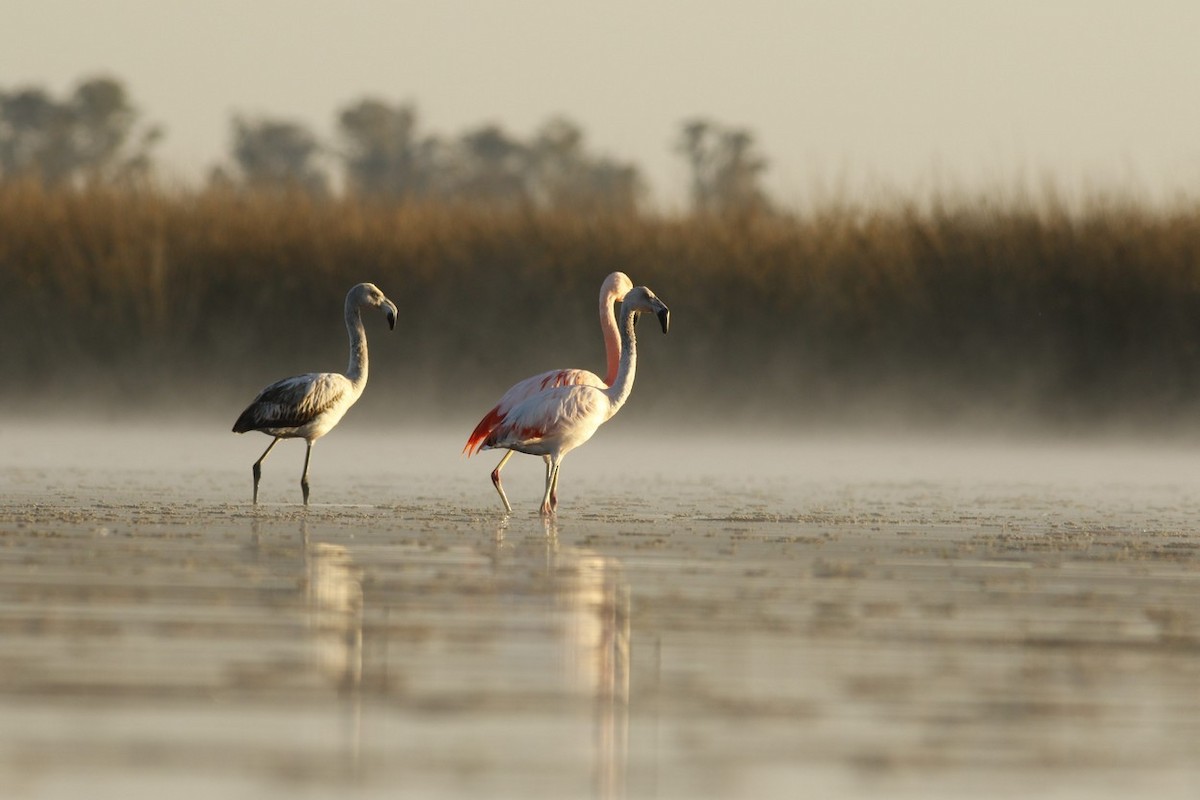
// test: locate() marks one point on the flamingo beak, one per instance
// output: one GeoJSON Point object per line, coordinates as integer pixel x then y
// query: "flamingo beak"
{"type": "Point", "coordinates": [664, 318]}
{"type": "Point", "coordinates": [390, 308]}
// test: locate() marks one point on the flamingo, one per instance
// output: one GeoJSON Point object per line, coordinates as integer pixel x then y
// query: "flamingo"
{"type": "Point", "coordinates": [613, 290]}
{"type": "Point", "coordinates": [308, 406]}
{"type": "Point", "coordinates": [555, 421]}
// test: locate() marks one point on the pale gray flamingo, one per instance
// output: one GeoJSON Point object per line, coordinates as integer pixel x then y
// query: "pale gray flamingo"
{"type": "Point", "coordinates": [613, 290]}
{"type": "Point", "coordinates": [308, 406]}
{"type": "Point", "coordinates": [555, 421]}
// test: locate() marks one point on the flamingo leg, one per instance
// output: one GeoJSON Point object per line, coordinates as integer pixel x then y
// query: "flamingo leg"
{"type": "Point", "coordinates": [496, 480]}
{"type": "Point", "coordinates": [304, 477]}
{"type": "Point", "coordinates": [545, 507]}
{"type": "Point", "coordinates": [554, 488]}
{"type": "Point", "coordinates": [554, 491]}
{"type": "Point", "coordinates": [257, 469]}
{"type": "Point", "coordinates": [553, 484]}
{"type": "Point", "coordinates": [548, 504]}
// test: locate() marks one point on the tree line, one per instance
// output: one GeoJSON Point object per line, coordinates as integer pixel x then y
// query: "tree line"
{"type": "Point", "coordinates": [96, 134]}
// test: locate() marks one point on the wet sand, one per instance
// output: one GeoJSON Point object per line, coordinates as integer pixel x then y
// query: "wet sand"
{"type": "Point", "coordinates": [807, 616]}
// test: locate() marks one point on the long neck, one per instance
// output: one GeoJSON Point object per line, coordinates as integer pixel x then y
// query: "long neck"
{"type": "Point", "coordinates": [622, 385]}
{"type": "Point", "coordinates": [357, 370]}
{"type": "Point", "coordinates": [612, 340]}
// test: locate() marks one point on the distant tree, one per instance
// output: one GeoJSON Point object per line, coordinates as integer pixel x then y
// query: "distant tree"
{"type": "Point", "coordinates": [93, 135]}
{"type": "Point", "coordinates": [34, 131]}
{"type": "Point", "coordinates": [565, 176]}
{"type": "Point", "coordinates": [385, 155]}
{"type": "Point", "coordinates": [277, 155]}
{"type": "Point", "coordinates": [726, 171]}
{"type": "Point", "coordinates": [490, 167]}
{"type": "Point", "coordinates": [382, 152]}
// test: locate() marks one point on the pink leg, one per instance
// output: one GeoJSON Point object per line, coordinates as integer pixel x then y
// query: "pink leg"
{"type": "Point", "coordinates": [546, 507]}
{"type": "Point", "coordinates": [496, 480]}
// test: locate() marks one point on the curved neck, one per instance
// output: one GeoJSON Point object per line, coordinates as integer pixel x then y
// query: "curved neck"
{"type": "Point", "coordinates": [356, 372]}
{"type": "Point", "coordinates": [622, 385]}
{"type": "Point", "coordinates": [612, 341]}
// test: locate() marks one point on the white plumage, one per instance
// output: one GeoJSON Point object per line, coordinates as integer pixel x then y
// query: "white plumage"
{"type": "Point", "coordinates": [555, 421]}
{"type": "Point", "coordinates": [309, 406]}
{"type": "Point", "coordinates": [612, 290]}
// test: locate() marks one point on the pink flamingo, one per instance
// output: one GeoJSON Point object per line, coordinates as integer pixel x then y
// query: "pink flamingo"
{"type": "Point", "coordinates": [555, 421]}
{"type": "Point", "coordinates": [613, 290]}
{"type": "Point", "coordinates": [308, 406]}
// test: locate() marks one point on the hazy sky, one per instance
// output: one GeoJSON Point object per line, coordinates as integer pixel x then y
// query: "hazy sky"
{"type": "Point", "coordinates": [903, 95]}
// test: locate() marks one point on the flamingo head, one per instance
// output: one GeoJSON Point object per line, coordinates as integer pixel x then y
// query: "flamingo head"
{"type": "Point", "coordinates": [641, 300]}
{"type": "Point", "coordinates": [369, 295]}
{"type": "Point", "coordinates": [614, 288]}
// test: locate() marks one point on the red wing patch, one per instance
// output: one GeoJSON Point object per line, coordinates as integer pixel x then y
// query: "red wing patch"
{"type": "Point", "coordinates": [530, 433]}
{"type": "Point", "coordinates": [562, 377]}
{"type": "Point", "coordinates": [512, 434]}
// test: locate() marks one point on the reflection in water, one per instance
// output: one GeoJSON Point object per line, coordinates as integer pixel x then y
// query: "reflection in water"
{"type": "Point", "coordinates": [602, 627]}
{"type": "Point", "coordinates": [335, 618]}
{"type": "Point", "coordinates": [335, 603]}
{"type": "Point", "coordinates": [590, 602]}
{"type": "Point", "coordinates": [570, 603]}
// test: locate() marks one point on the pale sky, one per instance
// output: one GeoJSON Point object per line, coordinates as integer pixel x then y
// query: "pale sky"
{"type": "Point", "coordinates": [906, 96]}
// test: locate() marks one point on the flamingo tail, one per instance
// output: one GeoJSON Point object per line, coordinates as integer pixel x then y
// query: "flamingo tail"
{"type": "Point", "coordinates": [479, 435]}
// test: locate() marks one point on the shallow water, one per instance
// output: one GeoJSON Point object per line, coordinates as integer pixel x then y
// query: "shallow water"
{"type": "Point", "coordinates": [831, 617]}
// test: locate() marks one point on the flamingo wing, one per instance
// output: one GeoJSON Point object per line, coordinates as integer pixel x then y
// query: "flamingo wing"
{"type": "Point", "coordinates": [293, 402]}
{"type": "Point", "coordinates": [520, 392]}
{"type": "Point", "coordinates": [561, 418]}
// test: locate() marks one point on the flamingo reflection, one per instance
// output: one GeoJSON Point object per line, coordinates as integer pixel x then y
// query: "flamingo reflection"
{"type": "Point", "coordinates": [591, 604]}
{"type": "Point", "coordinates": [392, 621]}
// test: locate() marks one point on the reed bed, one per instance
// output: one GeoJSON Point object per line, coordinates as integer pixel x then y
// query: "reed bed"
{"type": "Point", "coordinates": [970, 309]}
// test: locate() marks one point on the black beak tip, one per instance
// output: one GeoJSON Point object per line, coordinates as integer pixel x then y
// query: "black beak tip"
{"type": "Point", "coordinates": [664, 317]}
{"type": "Point", "coordinates": [391, 321]}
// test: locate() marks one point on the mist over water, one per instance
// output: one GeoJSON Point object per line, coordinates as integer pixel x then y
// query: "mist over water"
{"type": "Point", "coordinates": [621, 453]}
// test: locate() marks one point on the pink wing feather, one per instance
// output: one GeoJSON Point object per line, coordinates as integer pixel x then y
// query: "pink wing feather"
{"type": "Point", "coordinates": [561, 416]}
{"type": "Point", "coordinates": [522, 391]}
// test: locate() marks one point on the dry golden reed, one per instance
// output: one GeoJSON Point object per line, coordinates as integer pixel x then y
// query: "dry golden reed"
{"type": "Point", "coordinates": [142, 296]}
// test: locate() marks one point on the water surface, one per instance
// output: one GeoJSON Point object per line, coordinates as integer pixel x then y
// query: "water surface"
{"type": "Point", "coordinates": [797, 616]}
